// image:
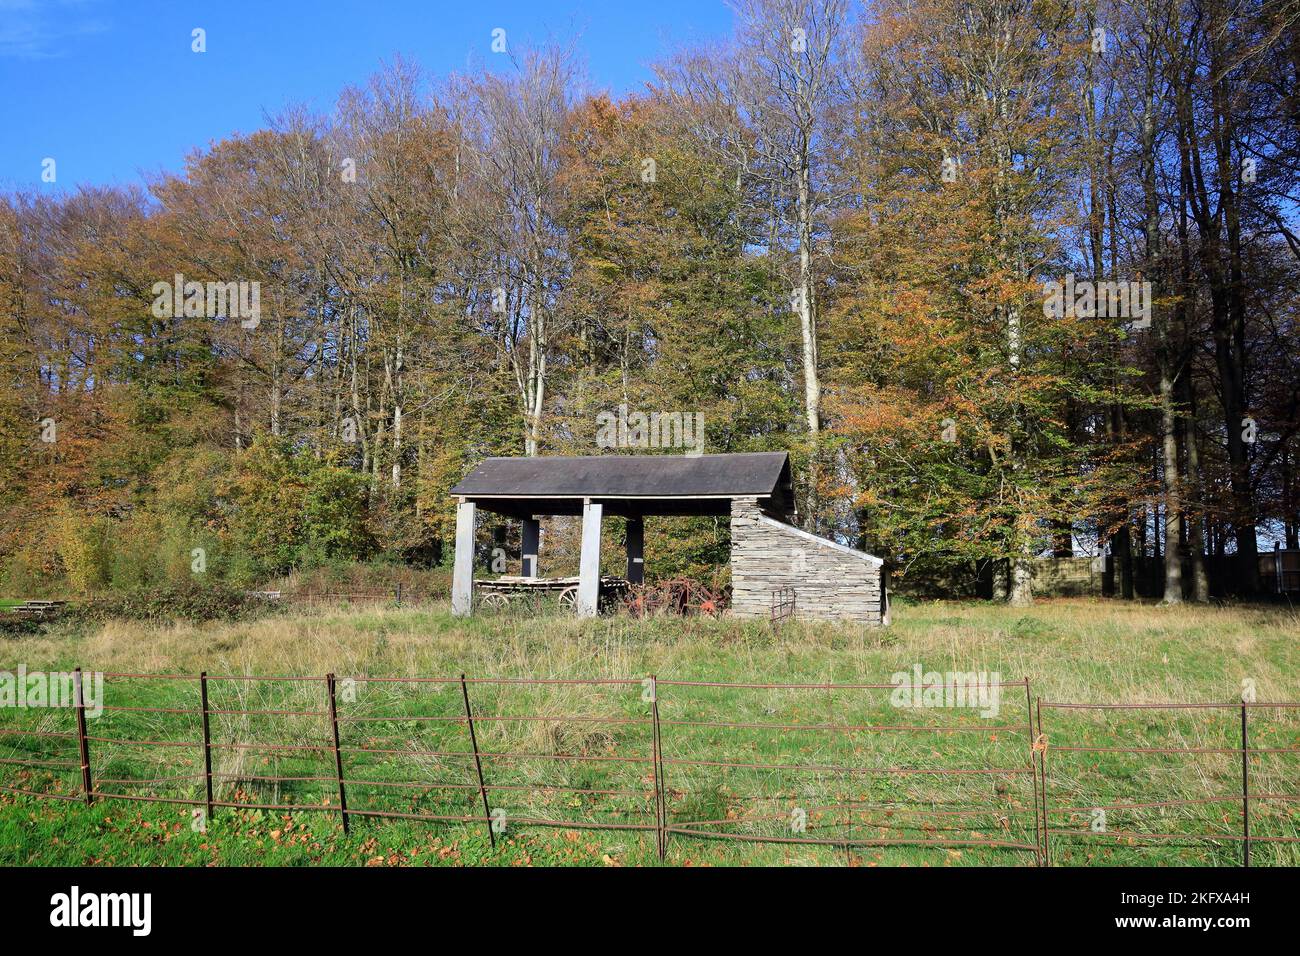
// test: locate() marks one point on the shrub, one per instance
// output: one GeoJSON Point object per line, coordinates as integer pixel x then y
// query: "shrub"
{"type": "Point", "coordinates": [148, 552]}
{"type": "Point", "coordinates": [31, 572]}
{"type": "Point", "coordinates": [266, 495]}
{"type": "Point", "coordinates": [287, 509]}
{"type": "Point", "coordinates": [12, 625]}
{"type": "Point", "coordinates": [84, 548]}
{"type": "Point", "coordinates": [335, 511]}
{"type": "Point", "coordinates": [187, 602]}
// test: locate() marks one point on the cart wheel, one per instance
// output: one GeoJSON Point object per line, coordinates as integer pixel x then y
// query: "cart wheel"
{"type": "Point", "coordinates": [497, 602]}
{"type": "Point", "coordinates": [569, 598]}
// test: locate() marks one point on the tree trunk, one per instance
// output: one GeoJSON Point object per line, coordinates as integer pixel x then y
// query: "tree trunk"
{"type": "Point", "coordinates": [1121, 546]}
{"type": "Point", "coordinates": [1173, 499]}
{"type": "Point", "coordinates": [1022, 577]}
{"type": "Point", "coordinates": [1173, 561]}
{"type": "Point", "coordinates": [806, 304]}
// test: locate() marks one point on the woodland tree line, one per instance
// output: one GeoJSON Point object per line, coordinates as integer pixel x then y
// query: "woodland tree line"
{"type": "Point", "coordinates": [829, 234]}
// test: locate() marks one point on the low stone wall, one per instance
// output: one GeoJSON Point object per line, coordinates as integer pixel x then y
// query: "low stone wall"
{"type": "Point", "coordinates": [1053, 577]}
{"type": "Point", "coordinates": [829, 581]}
{"type": "Point", "coordinates": [1069, 577]}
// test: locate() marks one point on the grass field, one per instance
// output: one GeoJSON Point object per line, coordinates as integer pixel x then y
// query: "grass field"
{"type": "Point", "coordinates": [1085, 651]}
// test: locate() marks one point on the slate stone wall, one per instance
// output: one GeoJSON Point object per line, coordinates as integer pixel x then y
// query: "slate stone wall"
{"type": "Point", "coordinates": [829, 581]}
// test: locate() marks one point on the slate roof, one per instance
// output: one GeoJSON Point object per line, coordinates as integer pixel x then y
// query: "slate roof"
{"type": "Point", "coordinates": [654, 483]}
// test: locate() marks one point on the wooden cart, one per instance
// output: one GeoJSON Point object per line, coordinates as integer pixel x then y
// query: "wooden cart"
{"type": "Point", "coordinates": [500, 593]}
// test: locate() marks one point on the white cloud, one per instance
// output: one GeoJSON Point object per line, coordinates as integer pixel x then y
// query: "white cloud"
{"type": "Point", "coordinates": [40, 29]}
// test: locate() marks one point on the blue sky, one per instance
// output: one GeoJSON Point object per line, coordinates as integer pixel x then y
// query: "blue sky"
{"type": "Point", "coordinates": [111, 89]}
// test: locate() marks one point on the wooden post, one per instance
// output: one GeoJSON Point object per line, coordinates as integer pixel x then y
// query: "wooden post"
{"type": "Point", "coordinates": [531, 546]}
{"type": "Point", "coordinates": [636, 550]}
{"type": "Point", "coordinates": [338, 755]}
{"type": "Point", "coordinates": [884, 597]}
{"type": "Point", "coordinates": [589, 566]}
{"type": "Point", "coordinates": [207, 740]}
{"type": "Point", "coordinates": [462, 576]}
{"type": "Point", "coordinates": [79, 701]}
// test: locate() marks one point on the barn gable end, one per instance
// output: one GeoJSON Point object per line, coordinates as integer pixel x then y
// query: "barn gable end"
{"type": "Point", "coordinates": [829, 581]}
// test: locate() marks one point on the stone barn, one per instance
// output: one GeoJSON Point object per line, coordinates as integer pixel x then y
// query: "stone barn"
{"type": "Point", "coordinates": [776, 568]}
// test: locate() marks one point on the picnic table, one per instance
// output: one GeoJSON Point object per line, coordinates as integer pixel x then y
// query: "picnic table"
{"type": "Point", "coordinates": [500, 593]}
{"type": "Point", "coordinates": [39, 609]}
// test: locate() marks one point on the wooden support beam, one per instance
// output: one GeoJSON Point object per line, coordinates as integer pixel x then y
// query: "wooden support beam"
{"type": "Point", "coordinates": [532, 546]}
{"type": "Point", "coordinates": [636, 550]}
{"type": "Point", "coordinates": [462, 575]}
{"type": "Point", "coordinates": [589, 566]}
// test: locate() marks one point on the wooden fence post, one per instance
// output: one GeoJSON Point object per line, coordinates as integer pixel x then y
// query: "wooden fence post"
{"type": "Point", "coordinates": [338, 756]}
{"type": "Point", "coordinates": [478, 762]}
{"type": "Point", "coordinates": [207, 741]}
{"type": "Point", "coordinates": [83, 745]}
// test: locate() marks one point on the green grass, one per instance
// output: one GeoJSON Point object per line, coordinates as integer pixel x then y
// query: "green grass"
{"type": "Point", "coordinates": [1070, 650]}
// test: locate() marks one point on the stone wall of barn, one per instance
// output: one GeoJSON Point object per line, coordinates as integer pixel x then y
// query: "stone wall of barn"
{"type": "Point", "coordinates": [828, 580]}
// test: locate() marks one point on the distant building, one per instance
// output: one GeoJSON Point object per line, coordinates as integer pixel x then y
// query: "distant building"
{"type": "Point", "coordinates": [775, 567]}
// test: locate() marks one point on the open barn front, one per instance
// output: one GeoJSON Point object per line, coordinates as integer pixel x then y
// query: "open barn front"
{"type": "Point", "coordinates": [777, 569]}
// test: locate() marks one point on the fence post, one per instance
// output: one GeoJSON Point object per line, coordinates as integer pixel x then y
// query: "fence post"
{"type": "Point", "coordinates": [661, 810]}
{"type": "Point", "coordinates": [83, 745]}
{"type": "Point", "coordinates": [399, 593]}
{"type": "Point", "coordinates": [207, 741]}
{"type": "Point", "coordinates": [478, 763]}
{"type": "Point", "coordinates": [338, 756]}
{"type": "Point", "coordinates": [1245, 790]}
{"type": "Point", "coordinates": [1040, 744]}
{"type": "Point", "coordinates": [1034, 771]}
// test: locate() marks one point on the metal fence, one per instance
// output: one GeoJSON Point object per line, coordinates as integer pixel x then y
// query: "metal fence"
{"type": "Point", "coordinates": [824, 764]}
{"type": "Point", "coordinates": [1212, 746]}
